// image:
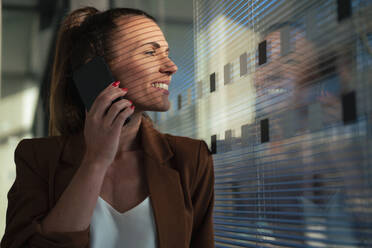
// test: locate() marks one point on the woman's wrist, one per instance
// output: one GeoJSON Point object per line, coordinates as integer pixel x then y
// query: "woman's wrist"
{"type": "Point", "coordinates": [92, 163]}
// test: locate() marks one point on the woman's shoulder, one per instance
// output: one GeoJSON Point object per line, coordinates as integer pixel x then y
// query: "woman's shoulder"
{"type": "Point", "coordinates": [40, 143]}
{"type": "Point", "coordinates": [178, 138]}
{"type": "Point", "coordinates": [36, 153]}
{"type": "Point", "coordinates": [193, 159]}
{"type": "Point", "coordinates": [182, 142]}
{"type": "Point", "coordinates": [187, 146]}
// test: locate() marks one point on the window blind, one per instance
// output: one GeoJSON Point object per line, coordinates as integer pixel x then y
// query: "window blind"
{"type": "Point", "coordinates": [281, 92]}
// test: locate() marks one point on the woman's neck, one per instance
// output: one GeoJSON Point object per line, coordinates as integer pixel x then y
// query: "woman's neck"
{"type": "Point", "coordinates": [129, 138]}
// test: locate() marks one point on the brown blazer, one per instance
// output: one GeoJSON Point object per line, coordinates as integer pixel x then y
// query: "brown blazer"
{"type": "Point", "coordinates": [180, 176]}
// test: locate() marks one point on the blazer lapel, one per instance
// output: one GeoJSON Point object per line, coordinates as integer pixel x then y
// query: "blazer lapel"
{"type": "Point", "coordinates": [168, 204]}
{"type": "Point", "coordinates": [164, 184]}
{"type": "Point", "coordinates": [165, 188]}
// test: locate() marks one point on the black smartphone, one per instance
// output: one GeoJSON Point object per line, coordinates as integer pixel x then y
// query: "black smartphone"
{"type": "Point", "coordinates": [91, 79]}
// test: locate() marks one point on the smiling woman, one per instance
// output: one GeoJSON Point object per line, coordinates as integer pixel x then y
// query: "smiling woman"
{"type": "Point", "coordinates": [140, 61]}
{"type": "Point", "coordinates": [96, 182]}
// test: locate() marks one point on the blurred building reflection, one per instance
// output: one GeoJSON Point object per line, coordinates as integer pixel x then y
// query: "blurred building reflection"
{"type": "Point", "coordinates": [293, 144]}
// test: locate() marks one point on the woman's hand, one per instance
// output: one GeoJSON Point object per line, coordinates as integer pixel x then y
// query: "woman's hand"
{"type": "Point", "coordinates": [103, 124]}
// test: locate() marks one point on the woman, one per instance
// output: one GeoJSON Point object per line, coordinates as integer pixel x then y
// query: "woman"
{"type": "Point", "coordinates": [95, 182]}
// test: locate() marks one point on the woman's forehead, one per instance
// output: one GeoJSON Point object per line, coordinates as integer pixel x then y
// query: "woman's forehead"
{"type": "Point", "coordinates": [139, 30]}
{"type": "Point", "coordinates": [137, 25]}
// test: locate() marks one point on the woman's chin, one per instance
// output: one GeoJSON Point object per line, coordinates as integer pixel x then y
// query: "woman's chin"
{"type": "Point", "coordinates": [162, 108]}
{"type": "Point", "coordinates": [157, 107]}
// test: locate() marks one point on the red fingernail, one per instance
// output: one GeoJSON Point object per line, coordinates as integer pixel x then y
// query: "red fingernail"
{"type": "Point", "coordinates": [125, 89]}
{"type": "Point", "coordinates": [131, 103]}
{"type": "Point", "coordinates": [132, 107]}
{"type": "Point", "coordinates": [115, 84]}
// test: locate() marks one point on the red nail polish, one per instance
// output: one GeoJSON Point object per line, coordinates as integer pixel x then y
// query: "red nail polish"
{"type": "Point", "coordinates": [125, 89]}
{"type": "Point", "coordinates": [115, 84]}
{"type": "Point", "coordinates": [132, 107]}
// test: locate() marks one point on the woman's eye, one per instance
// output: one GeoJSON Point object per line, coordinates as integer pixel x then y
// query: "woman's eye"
{"type": "Point", "coordinates": [150, 52]}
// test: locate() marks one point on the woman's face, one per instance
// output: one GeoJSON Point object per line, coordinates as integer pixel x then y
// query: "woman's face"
{"type": "Point", "coordinates": [139, 59]}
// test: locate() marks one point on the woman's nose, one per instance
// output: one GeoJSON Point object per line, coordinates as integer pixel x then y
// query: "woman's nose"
{"type": "Point", "coordinates": [168, 66]}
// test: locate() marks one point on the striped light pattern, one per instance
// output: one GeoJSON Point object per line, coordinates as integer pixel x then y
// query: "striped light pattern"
{"type": "Point", "coordinates": [281, 91]}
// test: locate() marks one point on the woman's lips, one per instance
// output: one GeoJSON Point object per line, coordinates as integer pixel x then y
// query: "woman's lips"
{"type": "Point", "coordinates": [164, 91]}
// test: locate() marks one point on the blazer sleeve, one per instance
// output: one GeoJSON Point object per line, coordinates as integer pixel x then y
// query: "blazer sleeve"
{"type": "Point", "coordinates": [203, 200]}
{"type": "Point", "coordinates": [28, 205]}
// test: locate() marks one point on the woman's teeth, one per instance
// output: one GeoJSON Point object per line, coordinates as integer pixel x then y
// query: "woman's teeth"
{"type": "Point", "coordinates": [160, 85]}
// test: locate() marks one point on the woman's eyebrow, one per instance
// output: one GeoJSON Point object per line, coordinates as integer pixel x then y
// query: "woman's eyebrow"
{"type": "Point", "coordinates": [154, 44]}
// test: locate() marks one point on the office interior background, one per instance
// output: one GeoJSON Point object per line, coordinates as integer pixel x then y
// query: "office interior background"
{"type": "Point", "coordinates": [280, 90]}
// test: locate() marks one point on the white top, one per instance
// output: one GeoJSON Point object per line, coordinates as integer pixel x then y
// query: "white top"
{"type": "Point", "coordinates": [112, 229]}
